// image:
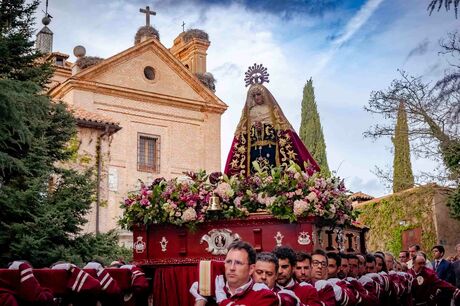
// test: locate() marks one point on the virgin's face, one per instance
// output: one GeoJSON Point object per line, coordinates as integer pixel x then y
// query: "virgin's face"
{"type": "Point", "coordinates": [258, 98]}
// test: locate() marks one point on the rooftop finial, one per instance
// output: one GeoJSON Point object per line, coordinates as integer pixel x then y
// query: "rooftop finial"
{"type": "Point", "coordinates": [47, 19]}
{"type": "Point", "coordinates": [183, 26]}
{"type": "Point", "coordinates": [147, 12]}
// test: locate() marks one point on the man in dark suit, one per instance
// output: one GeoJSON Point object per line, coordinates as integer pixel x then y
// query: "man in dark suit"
{"type": "Point", "coordinates": [443, 268]}
{"type": "Point", "coordinates": [456, 266]}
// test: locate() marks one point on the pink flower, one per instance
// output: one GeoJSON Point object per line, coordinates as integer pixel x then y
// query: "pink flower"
{"type": "Point", "coordinates": [128, 202]}
{"type": "Point", "coordinates": [237, 201]}
{"type": "Point", "coordinates": [144, 202]}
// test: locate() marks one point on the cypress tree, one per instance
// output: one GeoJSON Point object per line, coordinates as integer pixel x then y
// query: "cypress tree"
{"type": "Point", "coordinates": [311, 132]}
{"type": "Point", "coordinates": [402, 169]}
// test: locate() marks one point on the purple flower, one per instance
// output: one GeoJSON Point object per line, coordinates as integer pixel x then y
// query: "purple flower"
{"type": "Point", "coordinates": [128, 202]}
{"type": "Point", "coordinates": [157, 181]}
{"type": "Point", "coordinates": [215, 177]}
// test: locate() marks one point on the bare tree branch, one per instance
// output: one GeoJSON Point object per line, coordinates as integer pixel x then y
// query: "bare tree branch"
{"type": "Point", "coordinates": [432, 112]}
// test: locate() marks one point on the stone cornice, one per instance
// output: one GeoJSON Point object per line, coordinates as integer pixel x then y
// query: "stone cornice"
{"type": "Point", "coordinates": [135, 94]}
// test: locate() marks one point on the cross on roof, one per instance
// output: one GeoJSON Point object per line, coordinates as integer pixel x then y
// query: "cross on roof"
{"type": "Point", "coordinates": [183, 26]}
{"type": "Point", "coordinates": [147, 12]}
{"type": "Point", "coordinates": [46, 10]}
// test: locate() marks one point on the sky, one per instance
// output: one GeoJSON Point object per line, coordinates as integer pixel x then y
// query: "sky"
{"type": "Point", "coordinates": [348, 48]}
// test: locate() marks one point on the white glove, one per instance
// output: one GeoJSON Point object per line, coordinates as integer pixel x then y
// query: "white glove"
{"type": "Point", "coordinates": [365, 279]}
{"type": "Point", "coordinates": [93, 265]}
{"type": "Point", "coordinates": [334, 281]}
{"type": "Point", "coordinates": [338, 292]}
{"type": "Point", "coordinates": [63, 266]}
{"type": "Point", "coordinates": [220, 284]}
{"type": "Point", "coordinates": [259, 286]}
{"type": "Point", "coordinates": [127, 267]}
{"type": "Point", "coordinates": [376, 277]}
{"type": "Point", "coordinates": [291, 294]}
{"type": "Point", "coordinates": [321, 284]}
{"type": "Point", "coordinates": [15, 265]}
{"type": "Point", "coordinates": [194, 291]}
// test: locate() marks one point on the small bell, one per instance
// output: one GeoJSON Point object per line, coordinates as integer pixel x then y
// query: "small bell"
{"type": "Point", "coordinates": [214, 204]}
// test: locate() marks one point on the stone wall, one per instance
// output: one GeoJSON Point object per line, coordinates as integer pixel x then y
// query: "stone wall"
{"type": "Point", "coordinates": [421, 207]}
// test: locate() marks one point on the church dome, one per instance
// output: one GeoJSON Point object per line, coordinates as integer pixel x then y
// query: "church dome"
{"type": "Point", "coordinates": [146, 32]}
{"type": "Point", "coordinates": [195, 33]}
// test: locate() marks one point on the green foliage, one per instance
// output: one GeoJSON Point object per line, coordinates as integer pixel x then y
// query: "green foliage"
{"type": "Point", "coordinates": [38, 219]}
{"type": "Point", "coordinates": [402, 169]}
{"type": "Point", "coordinates": [453, 203]}
{"type": "Point", "coordinates": [103, 247]}
{"type": "Point", "coordinates": [311, 132]}
{"type": "Point", "coordinates": [384, 216]}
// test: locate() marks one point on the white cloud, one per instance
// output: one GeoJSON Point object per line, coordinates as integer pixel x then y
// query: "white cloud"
{"type": "Point", "coordinates": [350, 29]}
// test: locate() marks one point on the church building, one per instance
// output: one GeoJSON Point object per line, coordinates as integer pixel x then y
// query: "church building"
{"type": "Point", "coordinates": [144, 113]}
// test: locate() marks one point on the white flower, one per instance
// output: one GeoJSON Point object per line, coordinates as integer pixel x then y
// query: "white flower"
{"type": "Point", "coordinates": [224, 190]}
{"type": "Point", "coordinates": [300, 207]}
{"type": "Point", "coordinates": [312, 197]}
{"type": "Point", "coordinates": [269, 200]}
{"type": "Point", "coordinates": [185, 180]}
{"type": "Point", "coordinates": [189, 215]}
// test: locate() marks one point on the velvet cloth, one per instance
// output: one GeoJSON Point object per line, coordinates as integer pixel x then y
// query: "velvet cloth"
{"type": "Point", "coordinates": [243, 166]}
{"type": "Point", "coordinates": [171, 285]}
{"type": "Point", "coordinates": [57, 281]}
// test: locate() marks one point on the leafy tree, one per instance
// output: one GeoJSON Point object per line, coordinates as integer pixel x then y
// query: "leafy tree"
{"type": "Point", "coordinates": [42, 203]}
{"type": "Point", "coordinates": [311, 132]}
{"type": "Point", "coordinates": [402, 169]}
{"type": "Point", "coordinates": [432, 115]}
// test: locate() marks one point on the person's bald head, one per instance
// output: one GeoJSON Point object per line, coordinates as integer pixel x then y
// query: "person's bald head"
{"type": "Point", "coordinates": [419, 262]}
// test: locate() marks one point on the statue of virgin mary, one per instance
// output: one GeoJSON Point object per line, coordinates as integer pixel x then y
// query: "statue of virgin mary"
{"type": "Point", "coordinates": [264, 134]}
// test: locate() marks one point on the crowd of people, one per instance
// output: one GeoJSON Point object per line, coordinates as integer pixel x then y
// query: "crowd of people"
{"type": "Point", "coordinates": [66, 284]}
{"type": "Point", "coordinates": [286, 277]}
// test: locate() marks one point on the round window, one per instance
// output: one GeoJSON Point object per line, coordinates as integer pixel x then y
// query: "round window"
{"type": "Point", "coordinates": [149, 73]}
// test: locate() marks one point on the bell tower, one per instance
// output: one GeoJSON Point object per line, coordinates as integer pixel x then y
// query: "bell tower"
{"type": "Point", "coordinates": [190, 48]}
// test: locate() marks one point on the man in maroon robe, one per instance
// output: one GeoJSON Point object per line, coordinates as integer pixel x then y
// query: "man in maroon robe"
{"type": "Point", "coordinates": [239, 287]}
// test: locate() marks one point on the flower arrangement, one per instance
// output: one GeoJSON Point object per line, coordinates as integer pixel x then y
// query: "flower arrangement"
{"type": "Point", "coordinates": [285, 193]}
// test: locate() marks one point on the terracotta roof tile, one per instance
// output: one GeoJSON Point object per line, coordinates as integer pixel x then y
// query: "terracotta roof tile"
{"type": "Point", "coordinates": [66, 56]}
{"type": "Point", "coordinates": [360, 196]}
{"type": "Point", "coordinates": [83, 114]}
